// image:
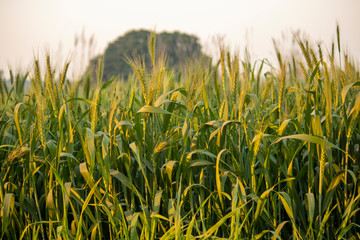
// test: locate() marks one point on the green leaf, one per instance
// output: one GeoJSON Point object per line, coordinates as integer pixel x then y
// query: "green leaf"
{"type": "Point", "coordinates": [84, 172]}
{"type": "Point", "coordinates": [261, 203]}
{"type": "Point", "coordinates": [286, 201]}
{"type": "Point", "coordinates": [122, 178]}
{"type": "Point", "coordinates": [332, 187]}
{"type": "Point", "coordinates": [152, 109]}
{"type": "Point", "coordinates": [140, 162]}
{"type": "Point", "coordinates": [85, 206]}
{"type": "Point", "coordinates": [310, 207]}
{"type": "Point", "coordinates": [217, 176]}
{"type": "Point", "coordinates": [106, 158]}
{"type": "Point", "coordinates": [169, 166]}
{"type": "Point", "coordinates": [90, 144]}
{"type": "Point", "coordinates": [80, 99]}
{"type": "Point", "coordinates": [278, 230]}
{"type": "Point", "coordinates": [17, 121]}
{"type": "Point", "coordinates": [133, 223]}
{"type": "Point", "coordinates": [200, 162]}
{"type": "Point", "coordinates": [260, 235]}
{"type": "Point", "coordinates": [309, 138]}
{"type": "Point", "coordinates": [108, 83]}
{"type": "Point", "coordinates": [8, 205]}
{"type": "Point", "coordinates": [123, 123]}
{"type": "Point", "coordinates": [215, 227]}
{"type": "Point", "coordinates": [69, 155]}
{"type": "Point", "coordinates": [156, 203]}
{"type": "Point", "coordinates": [346, 89]}
{"type": "Point", "coordinates": [67, 186]}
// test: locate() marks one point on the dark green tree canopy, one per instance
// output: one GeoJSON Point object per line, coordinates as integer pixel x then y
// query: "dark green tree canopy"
{"type": "Point", "coordinates": [178, 48]}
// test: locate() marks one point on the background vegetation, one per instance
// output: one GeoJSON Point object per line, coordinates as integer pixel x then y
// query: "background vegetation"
{"type": "Point", "coordinates": [178, 47]}
{"type": "Point", "coordinates": [226, 150]}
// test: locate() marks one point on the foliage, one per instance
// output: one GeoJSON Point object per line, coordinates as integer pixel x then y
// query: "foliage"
{"type": "Point", "coordinates": [179, 47]}
{"type": "Point", "coordinates": [224, 151]}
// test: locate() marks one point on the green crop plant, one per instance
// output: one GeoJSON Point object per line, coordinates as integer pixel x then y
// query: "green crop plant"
{"type": "Point", "coordinates": [224, 149]}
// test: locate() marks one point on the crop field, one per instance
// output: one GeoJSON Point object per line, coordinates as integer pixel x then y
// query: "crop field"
{"type": "Point", "coordinates": [227, 149]}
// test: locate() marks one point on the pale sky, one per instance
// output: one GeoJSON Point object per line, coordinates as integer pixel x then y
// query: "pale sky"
{"type": "Point", "coordinates": [31, 27]}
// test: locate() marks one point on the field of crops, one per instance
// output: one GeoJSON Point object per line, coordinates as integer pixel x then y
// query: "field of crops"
{"type": "Point", "coordinates": [223, 150]}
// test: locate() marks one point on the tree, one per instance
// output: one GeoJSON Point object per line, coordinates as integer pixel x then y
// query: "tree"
{"type": "Point", "coordinates": [178, 48]}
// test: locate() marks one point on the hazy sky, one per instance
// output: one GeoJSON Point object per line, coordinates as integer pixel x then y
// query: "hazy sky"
{"type": "Point", "coordinates": [29, 27]}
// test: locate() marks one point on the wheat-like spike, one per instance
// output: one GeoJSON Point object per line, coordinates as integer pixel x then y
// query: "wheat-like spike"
{"type": "Point", "coordinates": [328, 100]}
{"type": "Point", "coordinates": [313, 56]}
{"type": "Point", "coordinates": [294, 67]}
{"type": "Point", "coordinates": [332, 57]}
{"type": "Point", "coordinates": [114, 107]}
{"type": "Point", "coordinates": [96, 102]}
{"type": "Point", "coordinates": [256, 146]}
{"type": "Point", "coordinates": [221, 110]}
{"type": "Point", "coordinates": [137, 64]}
{"type": "Point", "coordinates": [306, 74]}
{"type": "Point", "coordinates": [49, 84]}
{"type": "Point", "coordinates": [151, 47]}
{"type": "Point", "coordinates": [278, 54]}
{"type": "Point", "coordinates": [281, 88]}
{"type": "Point", "coordinates": [348, 69]}
{"type": "Point", "coordinates": [49, 90]}
{"type": "Point", "coordinates": [94, 109]}
{"type": "Point", "coordinates": [111, 120]}
{"type": "Point", "coordinates": [353, 122]}
{"type": "Point", "coordinates": [160, 74]}
{"type": "Point", "coordinates": [193, 85]}
{"type": "Point", "coordinates": [160, 146]}
{"type": "Point", "coordinates": [338, 38]}
{"type": "Point", "coordinates": [265, 92]}
{"type": "Point", "coordinates": [100, 71]}
{"type": "Point", "coordinates": [12, 79]}
{"type": "Point", "coordinates": [320, 53]}
{"type": "Point", "coordinates": [246, 81]}
{"type": "Point", "coordinates": [16, 153]}
{"type": "Point", "coordinates": [62, 79]}
{"type": "Point", "coordinates": [241, 103]}
{"type": "Point", "coordinates": [159, 82]}
{"type": "Point", "coordinates": [63, 75]}
{"type": "Point", "coordinates": [41, 123]}
{"type": "Point", "coordinates": [36, 82]}
{"type": "Point", "coordinates": [140, 74]}
{"type": "Point", "coordinates": [354, 116]}
{"type": "Point", "coordinates": [132, 97]}
{"type": "Point", "coordinates": [17, 83]}
{"type": "Point", "coordinates": [72, 94]}
{"type": "Point", "coordinates": [222, 64]}
{"type": "Point", "coordinates": [346, 61]}
{"type": "Point", "coordinates": [228, 61]}
{"type": "Point", "coordinates": [343, 79]}
{"type": "Point", "coordinates": [336, 91]}
{"type": "Point", "coordinates": [150, 96]}
{"type": "Point", "coordinates": [322, 168]}
{"type": "Point", "coordinates": [305, 52]}
{"type": "Point", "coordinates": [234, 77]}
